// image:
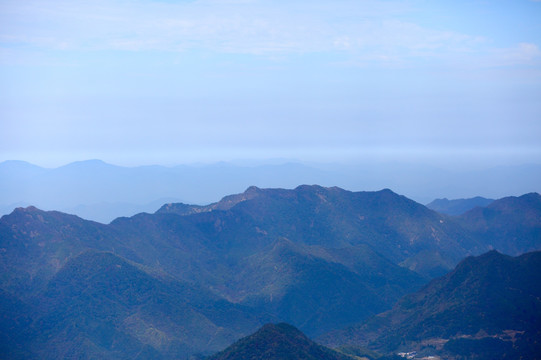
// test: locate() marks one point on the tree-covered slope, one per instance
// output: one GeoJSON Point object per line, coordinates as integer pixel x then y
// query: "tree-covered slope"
{"type": "Point", "coordinates": [36, 244]}
{"type": "Point", "coordinates": [319, 258]}
{"type": "Point", "coordinates": [489, 300]}
{"type": "Point", "coordinates": [277, 342]}
{"type": "Point", "coordinates": [511, 225]}
{"type": "Point", "coordinates": [100, 305]}
{"type": "Point", "coordinates": [392, 225]}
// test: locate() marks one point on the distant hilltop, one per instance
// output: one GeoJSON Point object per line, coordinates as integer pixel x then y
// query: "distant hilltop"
{"type": "Point", "coordinates": [458, 206]}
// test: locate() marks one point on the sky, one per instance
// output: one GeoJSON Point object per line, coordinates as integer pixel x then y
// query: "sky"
{"type": "Point", "coordinates": [136, 82]}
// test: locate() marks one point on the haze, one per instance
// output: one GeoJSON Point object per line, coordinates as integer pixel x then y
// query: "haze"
{"type": "Point", "coordinates": [170, 82]}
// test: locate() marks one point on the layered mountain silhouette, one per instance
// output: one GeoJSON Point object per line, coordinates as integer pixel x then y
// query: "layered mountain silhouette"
{"type": "Point", "coordinates": [458, 206]}
{"type": "Point", "coordinates": [101, 192]}
{"type": "Point", "coordinates": [488, 307]}
{"type": "Point", "coordinates": [191, 279]}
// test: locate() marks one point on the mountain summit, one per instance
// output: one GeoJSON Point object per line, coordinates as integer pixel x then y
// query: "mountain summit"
{"type": "Point", "coordinates": [278, 342]}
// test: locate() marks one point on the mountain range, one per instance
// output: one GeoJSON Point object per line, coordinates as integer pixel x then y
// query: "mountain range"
{"type": "Point", "coordinates": [191, 279]}
{"type": "Point", "coordinates": [101, 192]}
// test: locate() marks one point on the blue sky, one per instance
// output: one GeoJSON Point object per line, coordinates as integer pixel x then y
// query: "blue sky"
{"type": "Point", "coordinates": [165, 82]}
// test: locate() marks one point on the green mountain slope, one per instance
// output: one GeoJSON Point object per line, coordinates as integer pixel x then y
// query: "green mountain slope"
{"type": "Point", "coordinates": [311, 286]}
{"type": "Point", "coordinates": [319, 258]}
{"type": "Point", "coordinates": [391, 224]}
{"type": "Point", "coordinates": [222, 251]}
{"type": "Point", "coordinates": [36, 244]}
{"type": "Point", "coordinates": [15, 318]}
{"type": "Point", "coordinates": [99, 305]}
{"type": "Point", "coordinates": [277, 342]}
{"type": "Point", "coordinates": [488, 302]}
{"type": "Point", "coordinates": [511, 225]}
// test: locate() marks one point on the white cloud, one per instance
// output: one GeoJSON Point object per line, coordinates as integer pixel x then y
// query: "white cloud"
{"type": "Point", "coordinates": [238, 26]}
{"type": "Point", "coordinates": [522, 53]}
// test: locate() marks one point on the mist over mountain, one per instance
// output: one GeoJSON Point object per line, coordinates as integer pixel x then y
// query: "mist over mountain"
{"type": "Point", "coordinates": [185, 179]}
{"type": "Point", "coordinates": [458, 206]}
{"type": "Point", "coordinates": [99, 191]}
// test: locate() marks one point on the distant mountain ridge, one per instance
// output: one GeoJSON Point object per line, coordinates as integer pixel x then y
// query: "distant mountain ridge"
{"type": "Point", "coordinates": [225, 203]}
{"type": "Point", "coordinates": [337, 218]}
{"type": "Point", "coordinates": [101, 192]}
{"type": "Point", "coordinates": [458, 206]}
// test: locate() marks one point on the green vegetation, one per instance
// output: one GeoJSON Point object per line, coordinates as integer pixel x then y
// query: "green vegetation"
{"type": "Point", "coordinates": [278, 342]}
{"type": "Point", "coordinates": [190, 280]}
{"type": "Point", "coordinates": [510, 225]}
{"type": "Point", "coordinates": [489, 304]}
